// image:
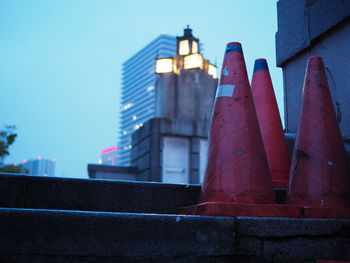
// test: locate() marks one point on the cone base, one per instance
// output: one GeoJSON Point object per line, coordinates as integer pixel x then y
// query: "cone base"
{"type": "Point", "coordinates": [322, 212]}
{"type": "Point", "coordinates": [264, 210]}
{"type": "Point", "coordinates": [243, 209]}
{"type": "Point", "coordinates": [280, 184]}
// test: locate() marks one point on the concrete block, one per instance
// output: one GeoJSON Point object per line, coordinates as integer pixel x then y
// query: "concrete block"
{"type": "Point", "coordinates": [129, 236]}
{"type": "Point", "coordinates": [12, 190]}
{"type": "Point", "coordinates": [99, 195]}
{"type": "Point", "coordinates": [249, 246]}
{"type": "Point", "coordinates": [301, 249]}
{"type": "Point", "coordinates": [292, 35]}
{"type": "Point", "coordinates": [325, 14]}
{"type": "Point", "coordinates": [291, 227]}
{"type": "Point", "coordinates": [300, 23]}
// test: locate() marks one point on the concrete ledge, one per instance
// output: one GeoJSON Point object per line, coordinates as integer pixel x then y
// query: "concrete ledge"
{"type": "Point", "coordinates": [112, 236]}
{"type": "Point", "coordinates": [111, 169]}
{"type": "Point", "coordinates": [110, 172]}
{"type": "Point", "coordinates": [69, 236]}
{"type": "Point", "coordinates": [22, 191]}
{"type": "Point", "coordinates": [292, 239]}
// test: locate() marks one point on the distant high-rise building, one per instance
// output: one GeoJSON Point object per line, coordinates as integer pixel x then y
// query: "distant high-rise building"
{"type": "Point", "coordinates": [138, 91]}
{"type": "Point", "coordinates": [109, 156]}
{"type": "Point", "coordinates": [40, 167]}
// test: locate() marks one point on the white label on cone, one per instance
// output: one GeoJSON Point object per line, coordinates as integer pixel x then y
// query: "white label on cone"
{"type": "Point", "coordinates": [225, 91]}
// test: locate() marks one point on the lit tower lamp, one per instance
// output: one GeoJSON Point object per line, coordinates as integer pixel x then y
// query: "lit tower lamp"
{"type": "Point", "coordinates": [188, 57]}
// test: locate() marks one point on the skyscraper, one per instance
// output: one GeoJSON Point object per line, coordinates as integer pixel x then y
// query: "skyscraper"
{"type": "Point", "coordinates": [138, 90]}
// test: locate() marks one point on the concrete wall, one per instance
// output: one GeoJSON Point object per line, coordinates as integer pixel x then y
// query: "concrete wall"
{"type": "Point", "coordinates": [146, 152]}
{"type": "Point", "coordinates": [308, 28]}
{"type": "Point", "coordinates": [187, 96]}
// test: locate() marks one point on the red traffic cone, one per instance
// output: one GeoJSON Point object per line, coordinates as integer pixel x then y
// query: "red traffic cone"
{"type": "Point", "coordinates": [237, 179]}
{"type": "Point", "coordinates": [319, 175]}
{"type": "Point", "coordinates": [237, 168]}
{"type": "Point", "coordinates": [270, 124]}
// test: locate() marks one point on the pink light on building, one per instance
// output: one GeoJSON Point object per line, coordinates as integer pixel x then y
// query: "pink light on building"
{"type": "Point", "coordinates": [53, 159]}
{"type": "Point", "coordinates": [108, 150]}
{"type": "Point", "coordinates": [24, 161]}
{"type": "Point", "coordinates": [39, 158]}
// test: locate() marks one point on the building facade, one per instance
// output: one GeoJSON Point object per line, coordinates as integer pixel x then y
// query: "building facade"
{"type": "Point", "coordinates": [138, 91]}
{"type": "Point", "coordinates": [314, 28]}
{"type": "Point", "coordinates": [40, 167]}
{"type": "Point", "coordinates": [109, 156]}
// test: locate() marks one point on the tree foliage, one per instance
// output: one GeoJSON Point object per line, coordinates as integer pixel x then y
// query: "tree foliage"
{"type": "Point", "coordinates": [13, 169]}
{"type": "Point", "coordinates": [7, 137]}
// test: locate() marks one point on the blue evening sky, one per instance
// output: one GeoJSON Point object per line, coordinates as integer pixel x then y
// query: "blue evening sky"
{"type": "Point", "coordinates": [61, 62]}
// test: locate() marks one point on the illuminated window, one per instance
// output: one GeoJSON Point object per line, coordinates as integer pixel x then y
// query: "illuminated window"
{"type": "Point", "coordinates": [130, 146]}
{"type": "Point", "coordinates": [128, 106]}
{"type": "Point", "coordinates": [141, 124]}
{"type": "Point", "coordinates": [184, 48]}
{"type": "Point", "coordinates": [99, 161]}
{"type": "Point", "coordinates": [212, 71]}
{"type": "Point", "coordinates": [136, 127]}
{"type": "Point", "coordinates": [134, 117]}
{"type": "Point", "coordinates": [164, 65]}
{"type": "Point", "coordinates": [193, 61]}
{"type": "Point", "coordinates": [150, 88]}
{"type": "Point", "coordinates": [194, 47]}
{"type": "Point", "coordinates": [125, 132]}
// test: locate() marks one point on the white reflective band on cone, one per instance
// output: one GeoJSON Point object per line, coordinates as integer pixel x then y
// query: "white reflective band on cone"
{"type": "Point", "coordinates": [225, 91]}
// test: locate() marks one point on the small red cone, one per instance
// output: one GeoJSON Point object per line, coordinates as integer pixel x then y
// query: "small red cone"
{"type": "Point", "coordinates": [270, 124]}
{"type": "Point", "coordinates": [237, 168]}
{"type": "Point", "coordinates": [319, 176]}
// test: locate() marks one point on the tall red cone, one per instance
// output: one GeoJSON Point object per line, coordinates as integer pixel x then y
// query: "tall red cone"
{"type": "Point", "coordinates": [270, 124]}
{"type": "Point", "coordinates": [319, 175]}
{"type": "Point", "coordinates": [237, 168]}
